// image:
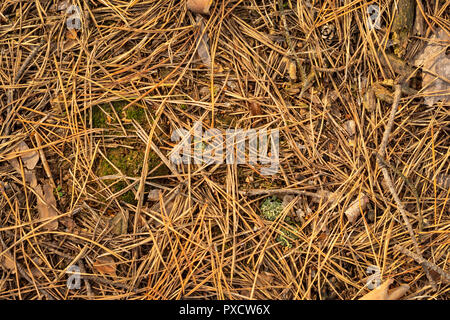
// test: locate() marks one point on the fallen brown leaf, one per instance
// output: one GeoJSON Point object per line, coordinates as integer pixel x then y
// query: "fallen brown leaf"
{"type": "Point", "coordinates": [255, 108]}
{"type": "Point", "coordinates": [199, 6]}
{"type": "Point", "coordinates": [105, 265]}
{"type": "Point", "coordinates": [120, 223]}
{"type": "Point", "coordinates": [397, 293]}
{"type": "Point", "coordinates": [71, 34]}
{"type": "Point", "coordinates": [383, 293]}
{"type": "Point", "coordinates": [434, 61]}
{"type": "Point", "coordinates": [380, 292]}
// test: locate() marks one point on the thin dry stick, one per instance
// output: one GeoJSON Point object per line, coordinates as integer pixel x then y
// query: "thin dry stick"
{"type": "Point", "coordinates": [422, 261]}
{"type": "Point", "coordinates": [388, 180]}
{"type": "Point", "coordinates": [390, 124]}
{"type": "Point", "coordinates": [291, 45]}
{"type": "Point", "coordinates": [44, 160]}
{"type": "Point", "coordinates": [109, 282]}
{"type": "Point", "coordinates": [86, 281]}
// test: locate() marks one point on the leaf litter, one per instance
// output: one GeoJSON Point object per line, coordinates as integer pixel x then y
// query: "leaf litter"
{"type": "Point", "coordinates": [435, 63]}
{"type": "Point", "coordinates": [328, 213]}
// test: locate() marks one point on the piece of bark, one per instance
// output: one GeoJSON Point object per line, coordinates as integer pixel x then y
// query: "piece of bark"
{"type": "Point", "coordinates": [354, 209]}
{"type": "Point", "coordinates": [46, 203]}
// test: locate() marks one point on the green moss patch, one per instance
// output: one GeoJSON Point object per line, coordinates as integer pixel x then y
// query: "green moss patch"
{"type": "Point", "coordinates": [286, 238]}
{"type": "Point", "coordinates": [271, 208]}
{"type": "Point", "coordinates": [103, 115]}
{"type": "Point", "coordinates": [129, 162]}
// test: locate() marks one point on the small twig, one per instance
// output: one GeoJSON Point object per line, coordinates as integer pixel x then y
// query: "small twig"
{"type": "Point", "coordinates": [342, 68]}
{"type": "Point", "coordinates": [44, 160]}
{"type": "Point", "coordinates": [410, 186]}
{"type": "Point", "coordinates": [290, 44]}
{"type": "Point", "coordinates": [108, 282]}
{"type": "Point", "coordinates": [423, 262]}
{"type": "Point", "coordinates": [85, 279]}
{"type": "Point", "coordinates": [387, 131]}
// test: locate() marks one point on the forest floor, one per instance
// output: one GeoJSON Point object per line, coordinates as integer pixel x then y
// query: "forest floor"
{"type": "Point", "coordinates": [92, 95]}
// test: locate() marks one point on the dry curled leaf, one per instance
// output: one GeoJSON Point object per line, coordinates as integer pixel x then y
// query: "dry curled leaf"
{"type": "Point", "coordinates": [382, 292]}
{"type": "Point", "coordinates": [30, 159]}
{"type": "Point", "coordinates": [353, 210]}
{"type": "Point", "coordinates": [30, 178]}
{"type": "Point", "coordinates": [350, 127]}
{"type": "Point", "coordinates": [29, 175]}
{"type": "Point", "coordinates": [105, 265]}
{"type": "Point", "coordinates": [153, 195]}
{"type": "Point", "coordinates": [255, 108]}
{"type": "Point", "coordinates": [199, 6]}
{"type": "Point", "coordinates": [397, 293]}
{"type": "Point", "coordinates": [71, 34]}
{"type": "Point", "coordinates": [120, 223]}
{"type": "Point", "coordinates": [7, 261]}
{"type": "Point", "coordinates": [436, 66]}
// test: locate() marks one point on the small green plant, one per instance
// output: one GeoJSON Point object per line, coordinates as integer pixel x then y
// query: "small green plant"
{"type": "Point", "coordinates": [271, 208]}
{"type": "Point", "coordinates": [59, 192]}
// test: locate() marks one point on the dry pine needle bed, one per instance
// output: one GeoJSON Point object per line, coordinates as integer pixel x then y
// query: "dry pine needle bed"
{"type": "Point", "coordinates": [92, 92]}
